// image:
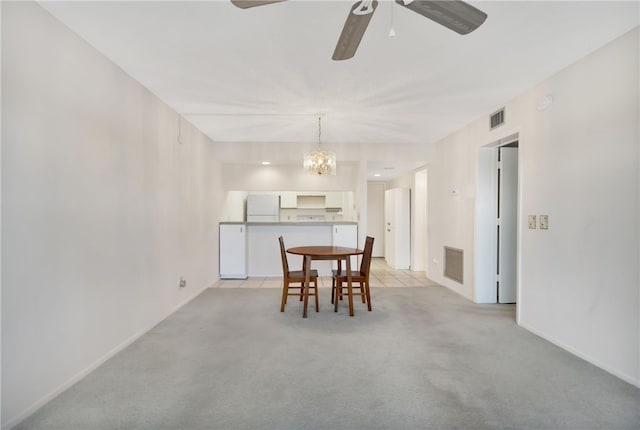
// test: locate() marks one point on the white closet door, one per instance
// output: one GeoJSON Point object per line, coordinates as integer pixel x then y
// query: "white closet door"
{"type": "Point", "coordinates": [389, 244]}
{"type": "Point", "coordinates": [402, 234]}
{"type": "Point", "coordinates": [507, 222]}
{"type": "Point", "coordinates": [397, 240]}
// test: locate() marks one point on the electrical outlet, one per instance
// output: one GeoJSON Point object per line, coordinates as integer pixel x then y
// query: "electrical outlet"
{"type": "Point", "coordinates": [183, 282]}
{"type": "Point", "coordinates": [532, 221]}
{"type": "Point", "coordinates": [544, 222]}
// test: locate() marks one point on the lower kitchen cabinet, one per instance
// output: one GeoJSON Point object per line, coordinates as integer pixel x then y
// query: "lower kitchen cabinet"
{"type": "Point", "coordinates": [233, 251]}
{"type": "Point", "coordinates": [346, 235]}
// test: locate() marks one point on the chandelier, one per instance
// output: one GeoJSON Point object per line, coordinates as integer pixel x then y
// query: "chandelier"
{"type": "Point", "coordinates": [320, 162]}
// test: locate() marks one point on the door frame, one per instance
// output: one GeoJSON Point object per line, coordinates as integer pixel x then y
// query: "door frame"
{"type": "Point", "coordinates": [485, 237]}
{"type": "Point", "coordinates": [420, 238]}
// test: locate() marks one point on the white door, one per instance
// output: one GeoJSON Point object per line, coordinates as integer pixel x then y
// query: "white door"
{"type": "Point", "coordinates": [233, 251]}
{"type": "Point", "coordinates": [389, 245]}
{"type": "Point", "coordinates": [397, 239]}
{"type": "Point", "coordinates": [507, 224]}
{"type": "Point", "coordinates": [401, 229]}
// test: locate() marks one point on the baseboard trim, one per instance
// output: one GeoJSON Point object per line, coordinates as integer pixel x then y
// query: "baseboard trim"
{"type": "Point", "coordinates": [455, 290]}
{"type": "Point", "coordinates": [582, 355]}
{"type": "Point", "coordinates": [93, 366]}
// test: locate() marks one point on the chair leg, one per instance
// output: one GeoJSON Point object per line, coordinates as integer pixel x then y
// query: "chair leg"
{"type": "Point", "coordinates": [368, 292]}
{"type": "Point", "coordinates": [317, 304]}
{"type": "Point", "coordinates": [333, 288]}
{"type": "Point", "coordinates": [301, 290]}
{"type": "Point", "coordinates": [285, 293]}
{"type": "Point", "coordinates": [362, 290]}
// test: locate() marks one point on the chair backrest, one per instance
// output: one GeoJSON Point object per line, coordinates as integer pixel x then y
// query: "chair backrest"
{"type": "Point", "coordinates": [365, 265]}
{"type": "Point", "coordinates": [283, 255]}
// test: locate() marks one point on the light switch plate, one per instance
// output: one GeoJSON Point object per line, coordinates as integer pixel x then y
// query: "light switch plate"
{"type": "Point", "coordinates": [532, 221]}
{"type": "Point", "coordinates": [544, 222]}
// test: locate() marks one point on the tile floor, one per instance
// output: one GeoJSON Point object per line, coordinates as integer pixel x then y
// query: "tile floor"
{"type": "Point", "coordinates": [382, 275]}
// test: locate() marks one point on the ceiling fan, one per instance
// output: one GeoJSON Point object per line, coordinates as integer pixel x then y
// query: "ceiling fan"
{"type": "Point", "coordinates": [456, 15]}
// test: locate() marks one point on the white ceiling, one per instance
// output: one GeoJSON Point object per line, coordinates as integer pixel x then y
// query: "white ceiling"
{"type": "Point", "coordinates": [265, 74]}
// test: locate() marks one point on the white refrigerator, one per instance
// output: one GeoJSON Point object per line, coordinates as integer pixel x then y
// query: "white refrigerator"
{"type": "Point", "coordinates": [263, 208]}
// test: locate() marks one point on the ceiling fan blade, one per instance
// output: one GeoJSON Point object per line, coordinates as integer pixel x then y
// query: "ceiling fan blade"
{"type": "Point", "coordinates": [456, 15]}
{"type": "Point", "coordinates": [246, 4]}
{"type": "Point", "coordinates": [352, 31]}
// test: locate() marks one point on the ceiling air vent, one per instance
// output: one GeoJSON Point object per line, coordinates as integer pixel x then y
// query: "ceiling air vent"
{"type": "Point", "coordinates": [496, 119]}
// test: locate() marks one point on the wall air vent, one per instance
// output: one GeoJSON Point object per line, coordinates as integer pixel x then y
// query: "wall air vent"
{"type": "Point", "coordinates": [496, 119]}
{"type": "Point", "coordinates": [453, 263]}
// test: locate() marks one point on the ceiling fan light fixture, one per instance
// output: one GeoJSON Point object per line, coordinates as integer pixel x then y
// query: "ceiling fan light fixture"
{"type": "Point", "coordinates": [456, 15]}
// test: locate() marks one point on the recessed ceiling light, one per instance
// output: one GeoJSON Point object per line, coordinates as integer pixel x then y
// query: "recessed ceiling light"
{"type": "Point", "coordinates": [266, 163]}
{"type": "Point", "coordinates": [376, 174]}
{"type": "Point", "coordinates": [389, 168]}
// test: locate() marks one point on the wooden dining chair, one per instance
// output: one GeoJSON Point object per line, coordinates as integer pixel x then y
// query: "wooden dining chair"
{"type": "Point", "coordinates": [359, 277]}
{"type": "Point", "coordinates": [296, 277]}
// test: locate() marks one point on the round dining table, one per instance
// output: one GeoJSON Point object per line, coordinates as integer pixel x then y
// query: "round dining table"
{"type": "Point", "coordinates": [338, 253]}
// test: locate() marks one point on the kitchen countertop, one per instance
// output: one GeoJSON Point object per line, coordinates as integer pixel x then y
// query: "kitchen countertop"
{"type": "Point", "coordinates": [293, 223]}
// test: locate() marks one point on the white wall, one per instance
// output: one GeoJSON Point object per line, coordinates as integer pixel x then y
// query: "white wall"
{"type": "Point", "coordinates": [0, 224]}
{"type": "Point", "coordinates": [419, 215]}
{"type": "Point", "coordinates": [375, 216]}
{"type": "Point", "coordinates": [250, 177]}
{"type": "Point", "coordinates": [360, 199]}
{"type": "Point", "coordinates": [579, 163]}
{"type": "Point", "coordinates": [103, 210]}
{"type": "Point", "coordinates": [291, 153]}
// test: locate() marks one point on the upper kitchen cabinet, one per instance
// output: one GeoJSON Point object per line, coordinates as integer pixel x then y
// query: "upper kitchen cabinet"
{"type": "Point", "coordinates": [288, 200]}
{"type": "Point", "coordinates": [333, 200]}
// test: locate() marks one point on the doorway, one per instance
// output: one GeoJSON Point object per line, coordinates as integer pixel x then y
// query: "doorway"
{"type": "Point", "coordinates": [506, 223]}
{"type": "Point", "coordinates": [497, 227]}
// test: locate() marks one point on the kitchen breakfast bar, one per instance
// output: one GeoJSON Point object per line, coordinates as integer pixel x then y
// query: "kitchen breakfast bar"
{"type": "Point", "coordinates": [252, 249]}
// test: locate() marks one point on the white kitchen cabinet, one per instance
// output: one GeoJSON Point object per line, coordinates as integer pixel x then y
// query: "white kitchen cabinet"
{"type": "Point", "coordinates": [397, 226]}
{"type": "Point", "coordinates": [233, 251]}
{"type": "Point", "coordinates": [288, 200]}
{"type": "Point", "coordinates": [333, 200]}
{"type": "Point", "coordinates": [346, 235]}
